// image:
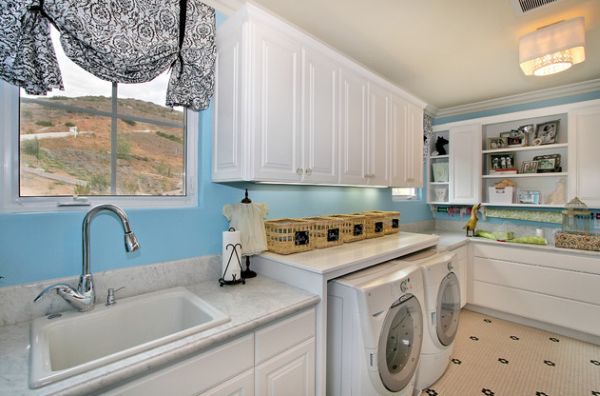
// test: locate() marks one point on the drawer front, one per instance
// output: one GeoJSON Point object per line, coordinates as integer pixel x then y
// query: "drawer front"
{"type": "Point", "coordinates": [197, 374]}
{"type": "Point", "coordinates": [283, 335]}
{"type": "Point", "coordinates": [527, 255]}
{"type": "Point", "coordinates": [572, 285]}
{"type": "Point", "coordinates": [554, 310]}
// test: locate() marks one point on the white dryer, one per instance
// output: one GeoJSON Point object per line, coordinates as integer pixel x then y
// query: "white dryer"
{"type": "Point", "coordinates": [375, 331]}
{"type": "Point", "coordinates": [442, 298]}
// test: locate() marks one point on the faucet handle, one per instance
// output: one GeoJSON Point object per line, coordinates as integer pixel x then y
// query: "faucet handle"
{"type": "Point", "coordinates": [110, 297]}
{"type": "Point", "coordinates": [58, 287]}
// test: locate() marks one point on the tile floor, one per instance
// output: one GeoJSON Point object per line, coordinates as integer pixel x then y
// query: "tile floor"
{"type": "Point", "coordinates": [494, 357]}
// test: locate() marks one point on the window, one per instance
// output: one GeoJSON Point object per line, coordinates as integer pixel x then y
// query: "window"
{"type": "Point", "coordinates": [405, 194]}
{"type": "Point", "coordinates": [96, 142]}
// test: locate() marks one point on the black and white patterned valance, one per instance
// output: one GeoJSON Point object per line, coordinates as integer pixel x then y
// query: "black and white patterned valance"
{"type": "Point", "coordinates": [124, 41]}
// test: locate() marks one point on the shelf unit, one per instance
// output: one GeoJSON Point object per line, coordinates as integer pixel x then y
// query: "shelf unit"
{"type": "Point", "coordinates": [438, 189]}
{"type": "Point", "coordinates": [549, 184]}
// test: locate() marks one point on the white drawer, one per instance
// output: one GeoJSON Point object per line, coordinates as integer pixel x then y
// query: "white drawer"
{"type": "Point", "coordinates": [197, 374]}
{"type": "Point", "coordinates": [554, 310]}
{"type": "Point", "coordinates": [283, 335]}
{"type": "Point", "coordinates": [573, 285]}
{"type": "Point", "coordinates": [547, 258]}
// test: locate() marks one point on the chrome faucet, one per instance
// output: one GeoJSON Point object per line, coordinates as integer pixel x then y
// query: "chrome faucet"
{"type": "Point", "coordinates": [84, 297]}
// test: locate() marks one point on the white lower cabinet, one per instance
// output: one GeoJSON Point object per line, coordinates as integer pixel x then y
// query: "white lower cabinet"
{"type": "Point", "coordinates": [552, 287]}
{"type": "Point", "coordinates": [291, 373]}
{"type": "Point", "coordinates": [278, 359]}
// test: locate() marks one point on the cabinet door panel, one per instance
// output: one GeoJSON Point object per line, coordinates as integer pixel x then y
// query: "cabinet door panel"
{"type": "Point", "coordinates": [414, 147]}
{"type": "Point", "coordinates": [321, 118]}
{"type": "Point", "coordinates": [584, 161]}
{"type": "Point", "coordinates": [353, 129]}
{"type": "Point", "coordinates": [242, 385]}
{"type": "Point", "coordinates": [277, 97]}
{"type": "Point", "coordinates": [398, 142]}
{"type": "Point", "coordinates": [377, 144]}
{"type": "Point", "coordinates": [227, 163]}
{"type": "Point", "coordinates": [465, 164]}
{"type": "Point", "coordinates": [292, 373]}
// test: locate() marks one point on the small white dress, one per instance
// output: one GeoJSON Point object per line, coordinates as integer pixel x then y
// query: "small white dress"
{"type": "Point", "coordinates": [248, 219]}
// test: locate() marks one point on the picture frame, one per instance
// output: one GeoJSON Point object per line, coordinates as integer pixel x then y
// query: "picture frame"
{"type": "Point", "coordinates": [529, 131]}
{"type": "Point", "coordinates": [529, 167]}
{"type": "Point", "coordinates": [547, 133]}
{"type": "Point", "coordinates": [548, 163]}
{"type": "Point", "coordinates": [502, 161]}
{"type": "Point", "coordinates": [496, 143]}
{"type": "Point", "coordinates": [514, 138]}
{"type": "Point", "coordinates": [529, 197]}
{"type": "Point", "coordinates": [440, 172]}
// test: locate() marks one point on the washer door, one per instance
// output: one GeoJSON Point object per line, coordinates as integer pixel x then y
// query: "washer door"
{"type": "Point", "coordinates": [448, 309]}
{"type": "Point", "coordinates": [400, 343]}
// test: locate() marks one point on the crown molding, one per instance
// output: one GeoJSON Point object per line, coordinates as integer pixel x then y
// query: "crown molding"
{"type": "Point", "coordinates": [534, 96]}
{"type": "Point", "coordinates": [227, 7]}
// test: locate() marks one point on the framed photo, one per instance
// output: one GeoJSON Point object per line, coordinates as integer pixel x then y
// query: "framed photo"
{"type": "Point", "coordinates": [515, 138]}
{"type": "Point", "coordinates": [547, 132]}
{"type": "Point", "coordinates": [502, 161]}
{"type": "Point", "coordinates": [529, 197]}
{"type": "Point", "coordinates": [529, 167]}
{"type": "Point", "coordinates": [496, 143]}
{"type": "Point", "coordinates": [548, 163]}
{"type": "Point", "coordinates": [440, 171]}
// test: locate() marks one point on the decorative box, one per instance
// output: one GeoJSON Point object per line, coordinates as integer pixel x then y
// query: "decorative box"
{"type": "Point", "coordinates": [580, 241]}
{"type": "Point", "coordinates": [353, 227]}
{"type": "Point", "coordinates": [501, 195]}
{"type": "Point", "coordinates": [285, 236]}
{"type": "Point", "coordinates": [391, 223]}
{"type": "Point", "coordinates": [326, 231]}
{"type": "Point", "coordinates": [374, 224]}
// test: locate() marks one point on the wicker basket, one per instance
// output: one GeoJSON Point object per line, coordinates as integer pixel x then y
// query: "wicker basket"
{"type": "Point", "coordinates": [286, 236]}
{"type": "Point", "coordinates": [391, 223]}
{"type": "Point", "coordinates": [374, 224]}
{"type": "Point", "coordinates": [353, 227]}
{"type": "Point", "coordinates": [326, 231]}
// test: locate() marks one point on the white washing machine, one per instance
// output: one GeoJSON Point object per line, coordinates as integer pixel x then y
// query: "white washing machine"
{"type": "Point", "coordinates": [442, 299]}
{"type": "Point", "coordinates": [375, 331]}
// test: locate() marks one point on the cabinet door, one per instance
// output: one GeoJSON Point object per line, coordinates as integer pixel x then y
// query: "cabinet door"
{"type": "Point", "coordinates": [465, 164]}
{"type": "Point", "coordinates": [276, 106]}
{"type": "Point", "coordinates": [353, 134]}
{"type": "Point", "coordinates": [321, 118]}
{"type": "Point", "coordinates": [398, 131]}
{"type": "Point", "coordinates": [227, 153]}
{"type": "Point", "coordinates": [291, 373]}
{"type": "Point", "coordinates": [584, 161]}
{"type": "Point", "coordinates": [414, 147]}
{"type": "Point", "coordinates": [242, 385]}
{"type": "Point", "coordinates": [378, 137]}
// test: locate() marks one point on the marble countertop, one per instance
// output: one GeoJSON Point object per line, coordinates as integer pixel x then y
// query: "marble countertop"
{"type": "Point", "coordinates": [356, 255]}
{"type": "Point", "coordinates": [260, 301]}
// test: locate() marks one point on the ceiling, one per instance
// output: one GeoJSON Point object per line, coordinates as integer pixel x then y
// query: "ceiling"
{"type": "Point", "coordinates": [447, 53]}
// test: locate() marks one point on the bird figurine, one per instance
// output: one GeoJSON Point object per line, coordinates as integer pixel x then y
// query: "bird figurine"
{"type": "Point", "coordinates": [472, 223]}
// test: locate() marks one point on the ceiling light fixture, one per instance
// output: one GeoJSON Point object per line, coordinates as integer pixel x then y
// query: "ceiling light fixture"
{"type": "Point", "coordinates": [553, 48]}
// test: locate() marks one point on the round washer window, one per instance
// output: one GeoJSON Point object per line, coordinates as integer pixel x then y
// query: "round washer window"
{"type": "Point", "coordinates": [400, 343]}
{"type": "Point", "coordinates": [448, 309]}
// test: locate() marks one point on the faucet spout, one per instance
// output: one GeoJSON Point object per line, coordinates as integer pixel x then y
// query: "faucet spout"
{"type": "Point", "coordinates": [84, 297]}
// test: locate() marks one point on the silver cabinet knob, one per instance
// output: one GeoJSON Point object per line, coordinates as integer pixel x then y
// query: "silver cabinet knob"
{"type": "Point", "coordinates": [309, 171]}
{"type": "Point", "coordinates": [299, 171]}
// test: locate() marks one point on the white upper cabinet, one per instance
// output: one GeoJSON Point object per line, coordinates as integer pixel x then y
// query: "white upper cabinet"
{"type": "Point", "coordinates": [321, 118]}
{"type": "Point", "coordinates": [277, 98]}
{"type": "Point", "coordinates": [584, 161]}
{"type": "Point", "coordinates": [406, 143]}
{"type": "Point", "coordinates": [414, 147]}
{"type": "Point", "coordinates": [465, 164]}
{"type": "Point", "coordinates": [292, 110]}
{"type": "Point", "coordinates": [378, 151]}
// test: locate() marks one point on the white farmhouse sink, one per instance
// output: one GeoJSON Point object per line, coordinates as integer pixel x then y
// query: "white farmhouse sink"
{"type": "Point", "coordinates": [80, 341]}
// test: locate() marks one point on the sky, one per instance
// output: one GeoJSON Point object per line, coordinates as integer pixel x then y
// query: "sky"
{"type": "Point", "coordinates": [78, 82]}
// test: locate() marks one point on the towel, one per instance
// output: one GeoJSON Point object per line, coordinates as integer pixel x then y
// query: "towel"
{"type": "Point", "coordinates": [248, 219]}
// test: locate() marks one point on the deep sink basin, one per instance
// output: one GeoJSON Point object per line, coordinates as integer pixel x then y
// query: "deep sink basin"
{"type": "Point", "coordinates": [80, 341]}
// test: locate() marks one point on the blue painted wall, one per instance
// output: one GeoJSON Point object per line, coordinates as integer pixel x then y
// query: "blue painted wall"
{"type": "Point", "coordinates": [48, 245]}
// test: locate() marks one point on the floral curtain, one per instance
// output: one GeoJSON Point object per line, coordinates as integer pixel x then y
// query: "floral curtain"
{"type": "Point", "coordinates": [428, 134]}
{"type": "Point", "coordinates": [124, 41]}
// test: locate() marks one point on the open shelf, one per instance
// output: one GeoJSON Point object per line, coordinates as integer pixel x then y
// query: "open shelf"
{"type": "Point", "coordinates": [520, 175]}
{"type": "Point", "coordinates": [439, 156]}
{"type": "Point", "coordinates": [527, 148]}
{"type": "Point", "coordinates": [439, 183]}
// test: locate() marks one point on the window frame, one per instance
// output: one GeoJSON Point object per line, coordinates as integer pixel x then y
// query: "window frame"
{"type": "Point", "coordinates": [10, 201]}
{"type": "Point", "coordinates": [416, 197]}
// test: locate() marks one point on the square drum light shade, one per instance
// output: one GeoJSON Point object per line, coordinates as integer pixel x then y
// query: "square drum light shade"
{"type": "Point", "coordinates": [554, 48]}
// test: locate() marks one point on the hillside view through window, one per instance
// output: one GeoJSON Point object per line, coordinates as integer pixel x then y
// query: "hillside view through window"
{"type": "Point", "coordinates": [68, 146]}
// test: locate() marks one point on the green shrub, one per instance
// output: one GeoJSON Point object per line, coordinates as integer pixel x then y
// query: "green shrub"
{"type": "Point", "coordinates": [98, 182]}
{"type": "Point", "coordinates": [123, 149]}
{"type": "Point", "coordinates": [32, 147]}
{"type": "Point", "coordinates": [69, 124]}
{"type": "Point", "coordinates": [129, 122]}
{"type": "Point", "coordinates": [44, 123]}
{"type": "Point", "coordinates": [173, 138]}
